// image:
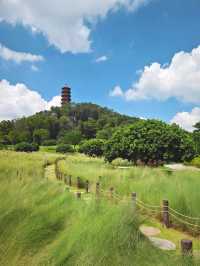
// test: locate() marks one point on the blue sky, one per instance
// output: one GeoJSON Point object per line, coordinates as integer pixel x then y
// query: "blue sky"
{"type": "Point", "coordinates": [125, 35]}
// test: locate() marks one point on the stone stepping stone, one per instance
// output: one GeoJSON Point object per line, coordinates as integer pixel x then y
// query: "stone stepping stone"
{"type": "Point", "coordinates": [162, 243]}
{"type": "Point", "coordinates": [149, 230]}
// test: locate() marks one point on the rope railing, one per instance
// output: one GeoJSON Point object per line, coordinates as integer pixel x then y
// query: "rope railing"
{"type": "Point", "coordinates": [148, 205]}
{"type": "Point", "coordinates": [184, 222]}
{"type": "Point", "coordinates": [163, 211]}
{"type": "Point", "coordinates": [183, 215]}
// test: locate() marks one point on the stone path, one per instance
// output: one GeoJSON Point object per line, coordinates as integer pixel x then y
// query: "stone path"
{"type": "Point", "coordinates": [151, 232]}
{"type": "Point", "coordinates": [163, 244]}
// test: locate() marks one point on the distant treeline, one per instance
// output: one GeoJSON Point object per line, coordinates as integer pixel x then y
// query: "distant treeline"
{"type": "Point", "coordinates": [71, 125]}
{"type": "Point", "coordinates": [98, 131]}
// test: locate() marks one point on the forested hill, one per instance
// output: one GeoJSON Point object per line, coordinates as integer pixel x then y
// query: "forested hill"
{"type": "Point", "coordinates": [75, 122]}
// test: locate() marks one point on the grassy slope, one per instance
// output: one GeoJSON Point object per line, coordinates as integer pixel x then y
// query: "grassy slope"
{"type": "Point", "coordinates": [152, 185]}
{"type": "Point", "coordinates": [41, 224]}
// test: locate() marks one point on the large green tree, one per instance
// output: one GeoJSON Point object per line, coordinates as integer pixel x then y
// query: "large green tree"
{"type": "Point", "coordinates": [150, 140]}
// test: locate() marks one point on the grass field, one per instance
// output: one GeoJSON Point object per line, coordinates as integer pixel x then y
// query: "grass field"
{"type": "Point", "coordinates": [152, 185]}
{"type": "Point", "coordinates": [42, 224]}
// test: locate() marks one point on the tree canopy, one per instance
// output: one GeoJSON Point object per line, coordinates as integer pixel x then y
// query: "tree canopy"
{"type": "Point", "coordinates": [69, 124]}
{"type": "Point", "coordinates": [150, 140]}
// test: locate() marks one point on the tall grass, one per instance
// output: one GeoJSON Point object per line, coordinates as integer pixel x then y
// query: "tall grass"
{"type": "Point", "coordinates": [42, 224]}
{"type": "Point", "coordinates": [152, 185]}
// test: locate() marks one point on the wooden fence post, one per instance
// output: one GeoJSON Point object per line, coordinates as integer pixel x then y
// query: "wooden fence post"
{"type": "Point", "coordinates": [70, 180]}
{"type": "Point", "coordinates": [166, 220]}
{"type": "Point", "coordinates": [78, 195]}
{"type": "Point", "coordinates": [87, 186]}
{"type": "Point", "coordinates": [78, 182]}
{"type": "Point", "coordinates": [111, 192]}
{"type": "Point", "coordinates": [134, 198]}
{"type": "Point", "coordinates": [186, 247]}
{"type": "Point", "coordinates": [97, 188]}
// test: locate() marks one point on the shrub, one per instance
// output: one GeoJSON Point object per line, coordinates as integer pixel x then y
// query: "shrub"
{"type": "Point", "coordinates": [49, 142]}
{"type": "Point", "coordinates": [92, 147]}
{"type": "Point", "coordinates": [196, 162]}
{"type": "Point", "coordinates": [26, 147]}
{"type": "Point", "coordinates": [150, 141]}
{"type": "Point", "coordinates": [3, 147]}
{"type": "Point", "coordinates": [64, 148]}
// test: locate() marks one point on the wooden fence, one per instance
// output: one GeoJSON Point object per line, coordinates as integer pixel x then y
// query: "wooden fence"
{"type": "Point", "coordinates": [164, 212]}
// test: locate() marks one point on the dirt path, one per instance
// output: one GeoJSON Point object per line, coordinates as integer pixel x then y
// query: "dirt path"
{"type": "Point", "coordinates": [50, 172]}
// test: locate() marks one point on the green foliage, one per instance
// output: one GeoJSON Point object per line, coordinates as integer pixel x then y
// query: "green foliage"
{"type": "Point", "coordinates": [64, 148]}
{"type": "Point", "coordinates": [105, 133]}
{"type": "Point", "coordinates": [70, 124]}
{"type": "Point", "coordinates": [49, 142]}
{"type": "Point", "coordinates": [195, 162]}
{"type": "Point", "coordinates": [150, 141]}
{"type": "Point", "coordinates": [92, 147]}
{"type": "Point", "coordinates": [196, 138]}
{"type": "Point", "coordinates": [40, 135]}
{"type": "Point", "coordinates": [73, 137]}
{"type": "Point", "coordinates": [26, 147]}
{"type": "Point", "coordinates": [3, 147]}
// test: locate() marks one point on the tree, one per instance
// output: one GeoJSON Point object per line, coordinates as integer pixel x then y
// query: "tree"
{"type": "Point", "coordinates": [73, 137]}
{"type": "Point", "coordinates": [150, 141]}
{"type": "Point", "coordinates": [40, 135]}
{"type": "Point", "coordinates": [92, 147]}
{"type": "Point", "coordinates": [89, 128]}
{"type": "Point", "coordinates": [196, 137]}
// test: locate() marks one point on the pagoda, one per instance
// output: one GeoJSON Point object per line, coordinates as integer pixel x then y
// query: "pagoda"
{"type": "Point", "coordinates": [65, 95]}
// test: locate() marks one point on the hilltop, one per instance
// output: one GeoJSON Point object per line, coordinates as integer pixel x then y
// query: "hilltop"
{"type": "Point", "coordinates": [77, 121]}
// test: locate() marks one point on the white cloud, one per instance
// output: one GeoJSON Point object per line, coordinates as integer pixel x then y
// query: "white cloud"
{"type": "Point", "coordinates": [117, 91]}
{"type": "Point", "coordinates": [18, 57]}
{"type": "Point", "coordinates": [180, 79]}
{"type": "Point", "coordinates": [34, 68]}
{"type": "Point", "coordinates": [55, 101]}
{"type": "Point", "coordinates": [66, 25]}
{"type": "Point", "coordinates": [187, 119]}
{"type": "Point", "coordinates": [101, 59]}
{"type": "Point", "coordinates": [18, 100]}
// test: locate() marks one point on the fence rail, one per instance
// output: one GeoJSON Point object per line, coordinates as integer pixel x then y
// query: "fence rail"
{"type": "Point", "coordinates": [167, 214]}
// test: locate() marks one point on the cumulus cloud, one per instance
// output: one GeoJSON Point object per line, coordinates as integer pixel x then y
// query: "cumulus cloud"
{"type": "Point", "coordinates": [117, 91]}
{"type": "Point", "coordinates": [18, 57]}
{"type": "Point", "coordinates": [101, 59]}
{"type": "Point", "coordinates": [179, 79]}
{"type": "Point", "coordinates": [34, 68]}
{"type": "Point", "coordinates": [18, 100]}
{"type": "Point", "coordinates": [55, 101]}
{"type": "Point", "coordinates": [66, 25]}
{"type": "Point", "coordinates": [187, 119]}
